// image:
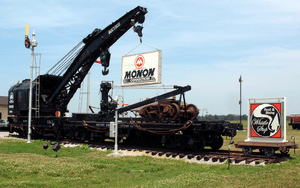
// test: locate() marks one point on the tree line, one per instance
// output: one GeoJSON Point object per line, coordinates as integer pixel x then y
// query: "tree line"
{"type": "Point", "coordinates": [228, 117]}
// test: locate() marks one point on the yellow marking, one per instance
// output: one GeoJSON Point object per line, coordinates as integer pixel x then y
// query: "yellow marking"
{"type": "Point", "coordinates": [26, 31]}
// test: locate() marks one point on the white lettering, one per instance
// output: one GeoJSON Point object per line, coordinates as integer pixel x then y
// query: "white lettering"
{"type": "Point", "coordinates": [259, 122]}
{"type": "Point", "coordinates": [114, 28]}
{"type": "Point", "coordinates": [262, 129]}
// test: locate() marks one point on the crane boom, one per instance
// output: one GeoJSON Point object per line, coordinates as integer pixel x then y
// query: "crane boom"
{"type": "Point", "coordinates": [96, 45]}
{"type": "Point", "coordinates": [54, 91]}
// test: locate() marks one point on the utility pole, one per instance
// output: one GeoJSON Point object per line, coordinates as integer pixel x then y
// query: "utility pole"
{"type": "Point", "coordinates": [33, 44]}
{"type": "Point", "coordinates": [240, 102]}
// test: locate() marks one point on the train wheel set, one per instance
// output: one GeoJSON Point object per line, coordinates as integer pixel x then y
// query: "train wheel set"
{"type": "Point", "coordinates": [267, 149]}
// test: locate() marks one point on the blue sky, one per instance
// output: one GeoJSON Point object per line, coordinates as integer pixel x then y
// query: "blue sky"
{"type": "Point", "coordinates": [205, 44]}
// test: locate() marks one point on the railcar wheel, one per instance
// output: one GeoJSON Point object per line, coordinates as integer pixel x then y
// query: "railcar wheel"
{"type": "Point", "coordinates": [160, 111]}
{"type": "Point", "coordinates": [166, 111]}
{"type": "Point", "coordinates": [192, 111]}
{"type": "Point", "coordinates": [83, 136]}
{"type": "Point", "coordinates": [166, 142]}
{"type": "Point", "coordinates": [169, 144]}
{"type": "Point", "coordinates": [199, 146]}
{"type": "Point", "coordinates": [247, 150]}
{"type": "Point", "coordinates": [284, 152]}
{"type": "Point", "coordinates": [175, 111]}
{"type": "Point", "coordinates": [180, 142]}
{"type": "Point", "coordinates": [76, 135]}
{"type": "Point", "coordinates": [218, 143]}
{"type": "Point", "coordinates": [269, 152]}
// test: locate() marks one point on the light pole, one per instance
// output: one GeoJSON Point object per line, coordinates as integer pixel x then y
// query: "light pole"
{"type": "Point", "coordinates": [33, 44]}
{"type": "Point", "coordinates": [240, 102]}
{"type": "Point", "coordinates": [121, 103]}
{"type": "Point", "coordinates": [204, 109]}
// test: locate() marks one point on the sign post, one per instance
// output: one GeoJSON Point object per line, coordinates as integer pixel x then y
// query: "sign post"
{"type": "Point", "coordinates": [116, 132]}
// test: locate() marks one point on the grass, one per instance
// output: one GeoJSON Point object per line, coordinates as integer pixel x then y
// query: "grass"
{"type": "Point", "coordinates": [27, 165]}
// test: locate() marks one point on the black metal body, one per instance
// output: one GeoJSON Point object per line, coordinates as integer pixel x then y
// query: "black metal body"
{"type": "Point", "coordinates": [56, 92]}
{"type": "Point", "coordinates": [295, 125]}
{"type": "Point", "coordinates": [181, 133]}
{"type": "Point", "coordinates": [179, 90]}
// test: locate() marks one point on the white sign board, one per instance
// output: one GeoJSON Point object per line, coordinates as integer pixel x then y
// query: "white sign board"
{"type": "Point", "coordinates": [141, 69]}
{"type": "Point", "coordinates": [267, 120]}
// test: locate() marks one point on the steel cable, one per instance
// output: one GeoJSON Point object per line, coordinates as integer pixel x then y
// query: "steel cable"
{"type": "Point", "coordinates": [63, 62]}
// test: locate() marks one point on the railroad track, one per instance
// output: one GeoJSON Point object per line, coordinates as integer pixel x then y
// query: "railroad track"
{"type": "Point", "coordinates": [206, 156]}
{"type": "Point", "coordinates": [220, 157]}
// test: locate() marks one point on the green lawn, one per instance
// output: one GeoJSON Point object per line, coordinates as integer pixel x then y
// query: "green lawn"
{"type": "Point", "coordinates": [26, 165]}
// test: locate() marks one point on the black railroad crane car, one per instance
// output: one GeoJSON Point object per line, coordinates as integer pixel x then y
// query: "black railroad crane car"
{"type": "Point", "coordinates": [55, 89]}
{"type": "Point", "coordinates": [177, 129]}
{"type": "Point", "coordinates": [168, 122]}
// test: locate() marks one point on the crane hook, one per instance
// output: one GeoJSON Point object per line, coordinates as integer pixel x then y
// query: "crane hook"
{"type": "Point", "coordinates": [138, 29]}
{"type": "Point", "coordinates": [105, 72]}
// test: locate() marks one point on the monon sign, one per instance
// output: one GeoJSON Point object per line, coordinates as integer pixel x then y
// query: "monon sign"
{"type": "Point", "coordinates": [141, 69]}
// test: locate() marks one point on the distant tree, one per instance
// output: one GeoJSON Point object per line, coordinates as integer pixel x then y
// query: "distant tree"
{"type": "Point", "coordinates": [244, 117]}
{"type": "Point", "coordinates": [216, 117]}
{"type": "Point", "coordinates": [222, 117]}
{"type": "Point", "coordinates": [228, 117]}
{"type": "Point", "coordinates": [209, 117]}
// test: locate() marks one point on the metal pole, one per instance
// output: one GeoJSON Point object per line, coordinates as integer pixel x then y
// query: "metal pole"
{"type": "Point", "coordinates": [228, 156]}
{"type": "Point", "coordinates": [116, 127]}
{"type": "Point", "coordinates": [240, 102]}
{"type": "Point", "coordinates": [231, 142]}
{"type": "Point", "coordinates": [30, 97]}
{"type": "Point", "coordinates": [116, 132]}
{"type": "Point", "coordinates": [33, 44]}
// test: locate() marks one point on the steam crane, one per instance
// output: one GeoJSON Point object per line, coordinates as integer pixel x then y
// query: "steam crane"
{"type": "Point", "coordinates": [167, 121]}
{"type": "Point", "coordinates": [56, 91]}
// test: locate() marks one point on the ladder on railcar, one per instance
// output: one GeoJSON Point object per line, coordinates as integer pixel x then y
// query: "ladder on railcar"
{"type": "Point", "coordinates": [36, 82]}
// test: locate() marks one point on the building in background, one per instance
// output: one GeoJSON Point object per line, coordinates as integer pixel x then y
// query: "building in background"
{"type": "Point", "coordinates": [3, 107]}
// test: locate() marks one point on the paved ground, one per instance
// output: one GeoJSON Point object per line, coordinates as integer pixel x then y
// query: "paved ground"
{"type": "Point", "coordinates": [3, 134]}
